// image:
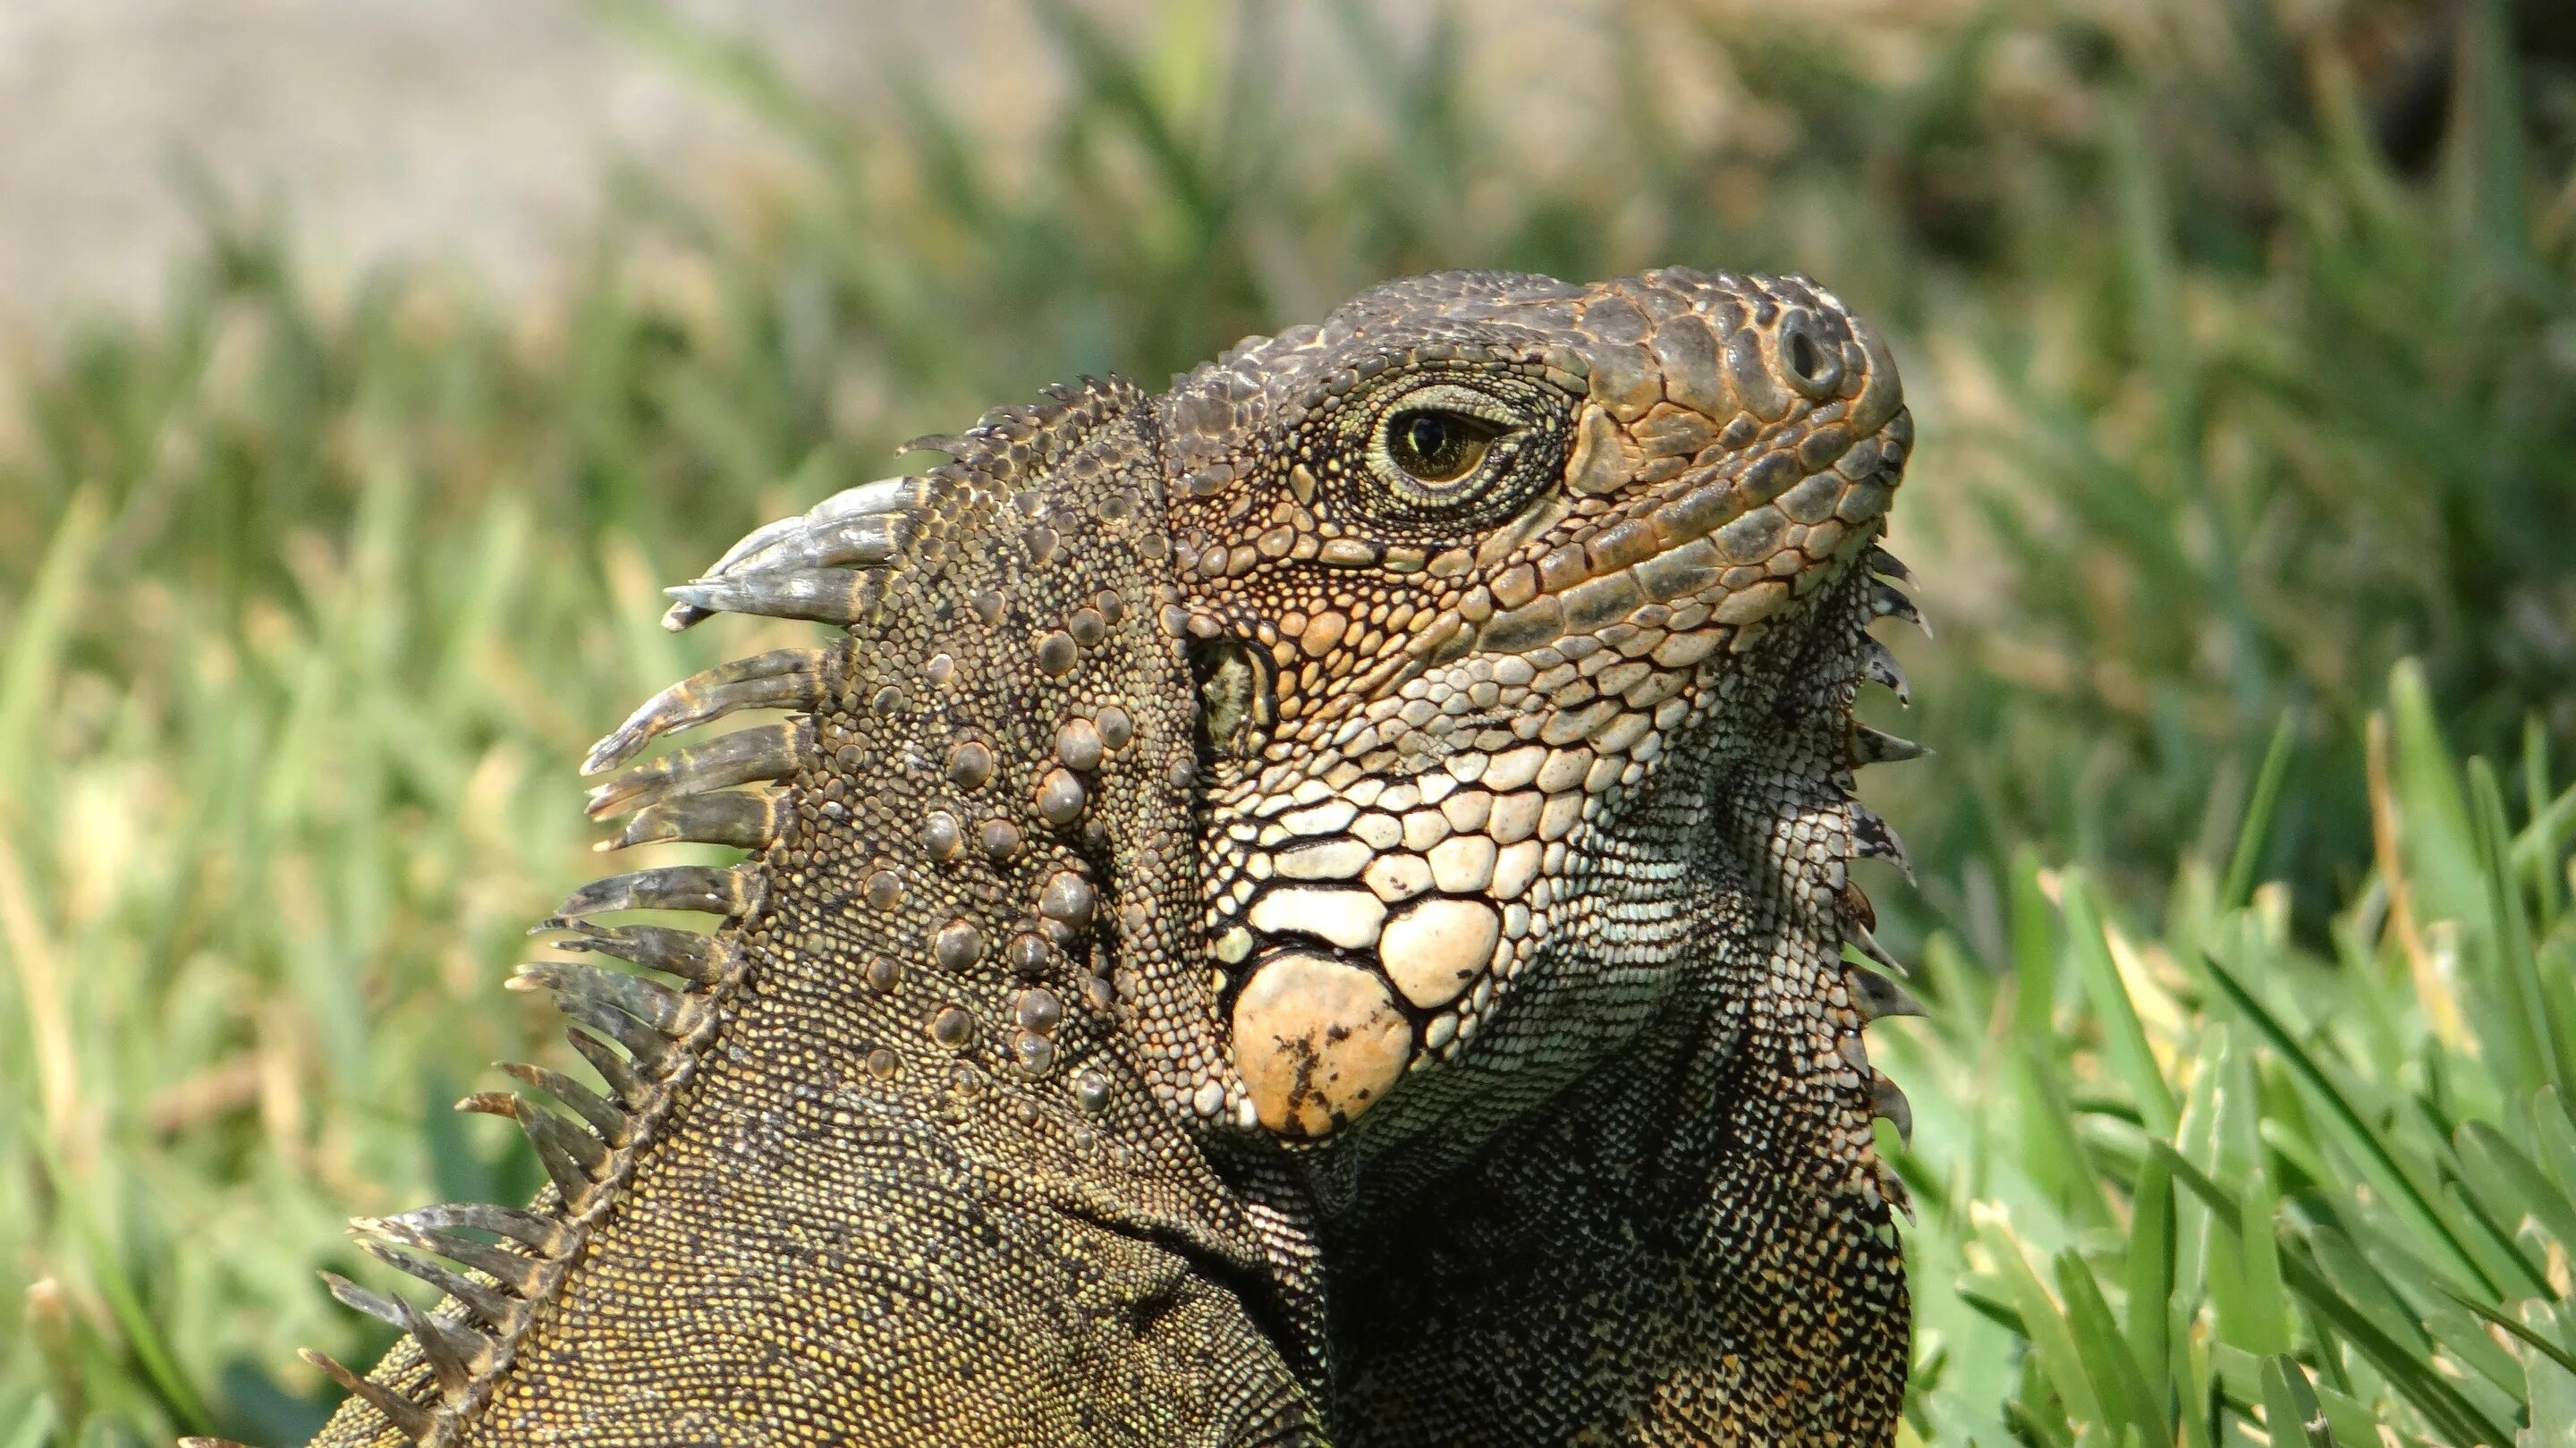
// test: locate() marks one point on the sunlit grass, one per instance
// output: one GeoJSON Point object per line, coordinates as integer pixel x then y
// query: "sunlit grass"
{"type": "Point", "coordinates": [2183, 1180]}
{"type": "Point", "coordinates": [2248, 1038]}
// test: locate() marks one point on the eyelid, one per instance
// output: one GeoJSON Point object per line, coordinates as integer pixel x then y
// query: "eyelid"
{"type": "Point", "coordinates": [1487, 430]}
{"type": "Point", "coordinates": [1463, 401]}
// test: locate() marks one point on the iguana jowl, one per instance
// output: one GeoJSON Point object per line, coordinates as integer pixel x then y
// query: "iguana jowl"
{"type": "Point", "coordinates": [1309, 907]}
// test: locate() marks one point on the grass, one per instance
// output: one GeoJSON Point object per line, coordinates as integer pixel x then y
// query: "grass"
{"type": "Point", "coordinates": [2245, 1083]}
{"type": "Point", "coordinates": [2199, 1182]}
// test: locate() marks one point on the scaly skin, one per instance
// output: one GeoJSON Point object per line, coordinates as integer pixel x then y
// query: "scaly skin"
{"type": "Point", "coordinates": [1559, 789]}
{"type": "Point", "coordinates": [1309, 903]}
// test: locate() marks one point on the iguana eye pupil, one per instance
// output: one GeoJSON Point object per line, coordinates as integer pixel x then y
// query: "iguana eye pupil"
{"type": "Point", "coordinates": [1438, 447]}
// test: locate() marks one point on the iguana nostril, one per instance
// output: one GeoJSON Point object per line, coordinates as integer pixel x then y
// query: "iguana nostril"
{"type": "Point", "coordinates": [1803, 358]}
{"type": "Point", "coordinates": [1813, 367]}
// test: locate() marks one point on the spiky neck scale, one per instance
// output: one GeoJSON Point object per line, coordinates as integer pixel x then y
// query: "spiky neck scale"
{"type": "Point", "coordinates": [946, 1015]}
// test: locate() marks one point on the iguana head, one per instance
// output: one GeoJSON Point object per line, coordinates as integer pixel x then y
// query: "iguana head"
{"type": "Point", "coordinates": [1527, 618]}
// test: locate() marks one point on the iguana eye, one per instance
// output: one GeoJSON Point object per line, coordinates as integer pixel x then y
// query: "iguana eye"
{"type": "Point", "coordinates": [1441, 453]}
{"type": "Point", "coordinates": [1436, 447]}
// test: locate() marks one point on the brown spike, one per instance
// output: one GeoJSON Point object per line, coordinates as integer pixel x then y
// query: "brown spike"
{"type": "Point", "coordinates": [650, 1049]}
{"type": "Point", "coordinates": [1879, 998]}
{"type": "Point", "coordinates": [489, 1103]}
{"type": "Point", "coordinates": [863, 540]}
{"type": "Point", "coordinates": [557, 1139]}
{"type": "Point", "coordinates": [374, 1304]}
{"type": "Point", "coordinates": [703, 888]}
{"type": "Point", "coordinates": [1890, 1103]}
{"type": "Point", "coordinates": [1856, 905]}
{"type": "Point", "coordinates": [1879, 666]}
{"type": "Point", "coordinates": [841, 597]}
{"type": "Point", "coordinates": [742, 819]}
{"type": "Point", "coordinates": [571, 1156]}
{"type": "Point", "coordinates": [1892, 1187]}
{"type": "Point", "coordinates": [866, 526]}
{"type": "Point", "coordinates": [625, 1087]}
{"type": "Point", "coordinates": [409, 1418]}
{"type": "Point", "coordinates": [938, 442]}
{"type": "Point", "coordinates": [683, 614]}
{"type": "Point", "coordinates": [780, 679]}
{"type": "Point", "coordinates": [485, 1303]}
{"type": "Point", "coordinates": [543, 1235]}
{"type": "Point", "coordinates": [613, 1125]}
{"type": "Point", "coordinates": [745, 756]}
{"type": "Point", "coordinates": [659, 1006]}
{"type": "Point", "coordinates": [457, 1355]}
{"type": "Point", "coordinates": [692, 955]}
{"type": "Point", "coordinates": [755, 540]}
{"type": "Point", "coordinates": [1870, 746]}
{"type": "Point", "coordinates": [519, 1274]}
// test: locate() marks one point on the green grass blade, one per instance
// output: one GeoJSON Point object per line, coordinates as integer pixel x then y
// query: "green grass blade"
{"type": "Point", "coordinates": [2541, 1019]}
{"type": "Point", "coordinates": [142, 1332]}
{"type": "Point", "coordinates": [2150, 1269]}
{"type": "Point", "coordinates": [2034, 963]}
{"type": "Point", "coordinates": [2261, 1321]}
{"type": "Point", "coordinates": [2358, 1275]}
{"type": "Point", "coordinates": [49, 1327]}
{"type": "Point", "coordinates": [37, 629]}
{"type": "Point", "coordinates": [2125, 1039]}
{"type": "Point", "coordinates": [2375, 1153]}
{"type": "Point", "coordinates": [2255, 833]}
{"type": "Point", "coordinates": [2290, 1405]}
{"type": "Point", "coordinates": [2484, 169]}
{"type": "Point", "coordinates": [2542, 1345]}
{"type": "Point", "coordinates": [2052, 1338]}
{"type": "Point", "coordinates": [2132, 1407]}
{"type": "Point", "coordinates": [2549, 1372]}
{"type": "Point", "coordinates": [2554, 1127]}
{"type": "Point", "coordinates": [2497, 1217]}
{"type": "Point", "coordinates": [2450, 1411]}
{"type": "Point", "coordinates": [2536, 847]}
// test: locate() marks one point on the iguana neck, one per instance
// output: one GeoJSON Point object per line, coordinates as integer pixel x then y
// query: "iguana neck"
{"type": "Point", "coordinates": [1710, 1170]}
{"type": "Point", "coordinates": [952, 1009]}
{"type": "Point", "coordinates": [1696, 1209]}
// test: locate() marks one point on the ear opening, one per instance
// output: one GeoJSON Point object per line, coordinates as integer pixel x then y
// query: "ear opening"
{"type": "Point", "coordinates": [1238, 696]}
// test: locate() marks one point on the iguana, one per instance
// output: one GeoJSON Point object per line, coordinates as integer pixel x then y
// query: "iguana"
{"type": "Point", "coordinates": [1307, 908]}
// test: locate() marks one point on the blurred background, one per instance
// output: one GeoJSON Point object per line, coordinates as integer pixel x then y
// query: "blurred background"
{"type": "Point", "coordinates": [366, 366]}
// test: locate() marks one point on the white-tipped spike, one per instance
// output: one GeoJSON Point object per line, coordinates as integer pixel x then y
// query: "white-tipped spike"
{"type": "Point", "coordinates": [1873, 840]}
{"type": "Point", "coordinates": [1860, 939]}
